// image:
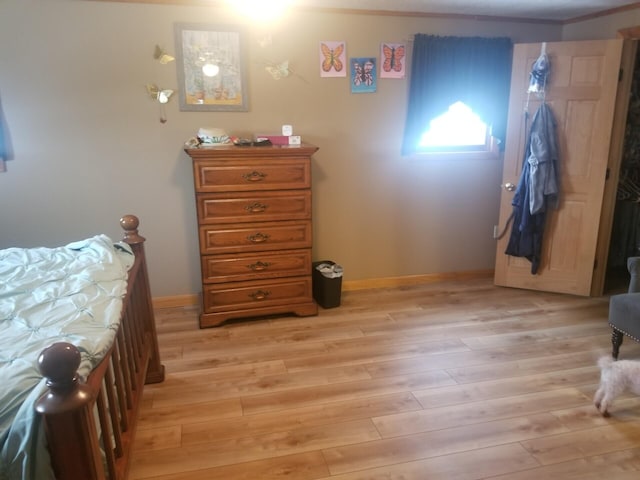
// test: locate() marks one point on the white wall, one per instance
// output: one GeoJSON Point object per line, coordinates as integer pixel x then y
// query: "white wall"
{"type": "Point", "coordinates": [89, 147]}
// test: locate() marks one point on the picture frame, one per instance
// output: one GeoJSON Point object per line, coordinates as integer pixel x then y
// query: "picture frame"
{"type": "Point", "coordinates": [211, 63]}
{"type": "Point", "coordinates": [333, 58]}
{"type": "Point", "coordinates": [392, 60]}
{"type": "Point", "coordinates": [363, 75]}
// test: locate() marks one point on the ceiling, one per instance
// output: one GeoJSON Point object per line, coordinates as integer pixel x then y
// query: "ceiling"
{"type": "Point", "coordinates": [551, 10]}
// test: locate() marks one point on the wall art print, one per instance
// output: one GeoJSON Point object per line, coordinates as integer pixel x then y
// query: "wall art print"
{"type": "Point", "coordinates": [363, 75]}
{"type": "Point", "coordinates": [333, 59]}
{"type": "Point", "coordinates": [211, 66]}
{"type": "Point", "coordinates": [392, 60]}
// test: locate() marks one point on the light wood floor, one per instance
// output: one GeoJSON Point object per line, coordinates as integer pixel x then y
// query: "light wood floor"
{"type": "Point", "coordinates": [458, 380]}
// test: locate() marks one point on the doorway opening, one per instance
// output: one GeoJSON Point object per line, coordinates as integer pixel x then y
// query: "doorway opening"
{"type": "Point", "coordinates": [625, 229]}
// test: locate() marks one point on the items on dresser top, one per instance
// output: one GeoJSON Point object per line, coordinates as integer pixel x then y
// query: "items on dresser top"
{"type": "Point", "coordinates": [213, 137]}
{"type": "Point", "coordinates": [254, 228]}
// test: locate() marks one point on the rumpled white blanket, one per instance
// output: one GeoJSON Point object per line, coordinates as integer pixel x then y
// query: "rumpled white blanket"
{"type": "Point", "coordinates": [67, 294]}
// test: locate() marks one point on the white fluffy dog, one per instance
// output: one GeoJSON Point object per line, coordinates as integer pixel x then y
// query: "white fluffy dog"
{"type": "Point", "coordinates": [616, 377]}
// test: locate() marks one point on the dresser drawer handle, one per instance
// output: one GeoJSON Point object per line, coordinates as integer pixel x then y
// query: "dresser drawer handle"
{"type": "Point", "coordinates": [259, 266]}
{"type": "Point", "coordinates": [260, 294]}
{"type": "Point", "coordinates": [256, 207]}
{"type": "Point", "coordinates": [254, 176]}
{"type": "Point", "coordinates": [258, 238]}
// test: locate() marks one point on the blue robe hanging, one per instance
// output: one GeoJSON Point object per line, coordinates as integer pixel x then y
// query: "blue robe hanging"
{"type": "Point", "coordinates": [537, 190]}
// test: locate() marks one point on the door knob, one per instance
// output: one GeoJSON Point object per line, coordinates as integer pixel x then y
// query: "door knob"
{"type": "Point", "coordinates": [510, 187]}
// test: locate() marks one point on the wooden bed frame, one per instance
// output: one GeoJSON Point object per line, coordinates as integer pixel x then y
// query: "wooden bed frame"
{"type": "Point", "coordinates": [90, 426]}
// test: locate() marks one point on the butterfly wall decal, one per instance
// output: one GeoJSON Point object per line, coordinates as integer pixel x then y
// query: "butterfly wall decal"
{"type": "Point", "coordinates": [162, 96]}
{"type": "Point", "coordinates": [332, 57]}
{"type": "Point", "coordinates": [159, 94]}
{"type": "Point", "coordinates": [279, 70]}
{"type": "Point", "coordinates": [265, 41]}
{"type": "Point", "coordinates": [162, 56]}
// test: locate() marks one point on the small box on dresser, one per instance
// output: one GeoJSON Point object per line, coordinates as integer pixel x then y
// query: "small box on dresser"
{"type": "Point", "coordinates": [254, 228]}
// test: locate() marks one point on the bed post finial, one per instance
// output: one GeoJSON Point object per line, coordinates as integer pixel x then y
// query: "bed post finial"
{"type": "Point", "coordinates": [68, 416]}
{"type": "Point", "coordinates": [129, 224]}
{"type": "Point", "coordinates": [59, 364]}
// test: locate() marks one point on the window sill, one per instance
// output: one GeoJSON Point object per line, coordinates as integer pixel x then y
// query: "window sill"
{"type": "Point", "coordinates": [484, 155]}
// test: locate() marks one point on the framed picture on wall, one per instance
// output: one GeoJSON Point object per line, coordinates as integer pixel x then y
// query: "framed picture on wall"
{"type": "Point", "coordinates": [333, 59]}
{"type": "Point", "coordinates": [211, 62]}
{"type": "Point", "coordinates": [392, 60]}
{"type": "Point", "coordinates": [363, 75]}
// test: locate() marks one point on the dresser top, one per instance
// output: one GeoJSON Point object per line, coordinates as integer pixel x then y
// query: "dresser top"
{"type": "Point", "coordinates": [231, 151]}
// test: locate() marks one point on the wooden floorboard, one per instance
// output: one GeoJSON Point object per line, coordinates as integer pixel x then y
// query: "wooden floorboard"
{"type": "Point", "coordinates": [453, 380]}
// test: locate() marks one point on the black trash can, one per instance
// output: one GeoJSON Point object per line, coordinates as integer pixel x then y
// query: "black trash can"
{"type": "Point", "coordinates": [327, 289]}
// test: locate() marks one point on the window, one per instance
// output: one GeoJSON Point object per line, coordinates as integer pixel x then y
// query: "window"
{"type": "Point", "coordinates": [465, 77]}
{"type": "Point", "coordinates": [458, 129]}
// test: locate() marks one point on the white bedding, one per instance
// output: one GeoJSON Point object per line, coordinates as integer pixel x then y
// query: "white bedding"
{"type": "Point", "coordinates": [66, 294]}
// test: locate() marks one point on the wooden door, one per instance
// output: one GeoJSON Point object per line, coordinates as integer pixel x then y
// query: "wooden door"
{"type": "Point", "coordinates": [581, 92]}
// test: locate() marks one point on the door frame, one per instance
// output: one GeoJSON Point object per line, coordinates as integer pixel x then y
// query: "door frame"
{"type": "Point", "coordinates": [627, 64]}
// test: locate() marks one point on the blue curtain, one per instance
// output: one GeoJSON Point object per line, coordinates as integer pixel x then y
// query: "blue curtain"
{"type": "Point", "coordinates": [445, 70]}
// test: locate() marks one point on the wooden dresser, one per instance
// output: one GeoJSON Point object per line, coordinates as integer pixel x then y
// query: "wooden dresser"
{"type": "Point", "coordinates": [254, 222]}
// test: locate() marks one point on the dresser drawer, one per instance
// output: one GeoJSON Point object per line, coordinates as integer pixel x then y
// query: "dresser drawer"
{"type": "Point", "coordinates": [214, 208]}
{"type": "Point", "coordinates": [257, 294]}
{"type": "Point", "coordinates": [255, 237]}
{"type": "Point", "coordinates": [245, 175]}
{"type": "Point", "coordinates": [265, 265]}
